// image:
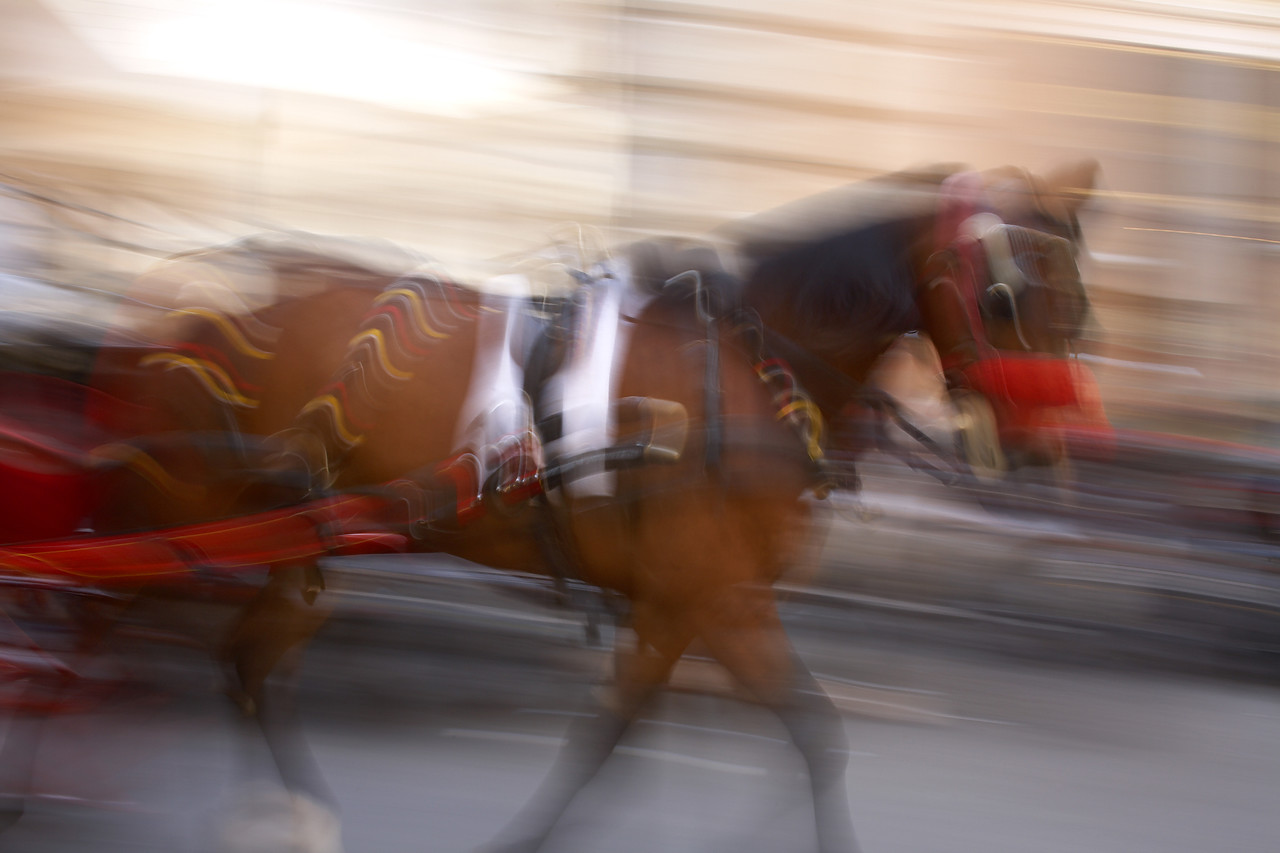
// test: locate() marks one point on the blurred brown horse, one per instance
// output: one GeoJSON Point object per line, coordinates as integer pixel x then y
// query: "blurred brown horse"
{"type": "Point", "coordinates": [690, 501]}
{"type": "Point", "coordinates": [371, 383]}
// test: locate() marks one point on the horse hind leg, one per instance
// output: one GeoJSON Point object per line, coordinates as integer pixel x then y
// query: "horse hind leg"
{"type": "Point", "coordinates": [302, 817]}
{"type": "Point", "coordinates": [264, 652]}
{"type": "Point", "coordinates": [755, 650]}
{"type": "Point", "coordinates": [640, 675]}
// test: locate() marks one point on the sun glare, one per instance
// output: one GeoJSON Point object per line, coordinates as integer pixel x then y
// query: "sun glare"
{"type": "Point", "coordinates": [325, 51]}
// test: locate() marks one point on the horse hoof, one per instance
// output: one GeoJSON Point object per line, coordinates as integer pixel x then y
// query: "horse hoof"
{"type": "Point", "coordinates": [265, 821]}
{"type": "Point", "coordinates": [316, 826]}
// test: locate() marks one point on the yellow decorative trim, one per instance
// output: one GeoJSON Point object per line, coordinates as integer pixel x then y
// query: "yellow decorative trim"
{"type": "Point", "coordinates": [415, 307]}
{"type": "Point", "coordinates": [214, 378]}
{"type": "Point", "coordinates": [332, 403]}
{"type": "Point", "coordinates": [149, 469]}
{"type": "Point", "coordinates": [380, 351]}
{"type": "Point", "coordinates": [814, 444]}
{"type": "Point", "coordinates": [229, 331]}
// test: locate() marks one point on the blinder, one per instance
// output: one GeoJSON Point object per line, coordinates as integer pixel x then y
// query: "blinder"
{"type": "Point", "coordinates": [1032, 274]}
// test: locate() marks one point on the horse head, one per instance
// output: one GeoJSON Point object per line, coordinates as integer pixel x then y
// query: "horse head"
{"type": "Point", "coordinates": [1032, 298]}
{"type": "Point", "coordinates": [845, 275]}
{"type": "Point", "coordinates": [1002, 275]}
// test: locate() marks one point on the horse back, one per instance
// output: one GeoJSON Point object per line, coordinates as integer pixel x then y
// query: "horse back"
{"type": "Point", "coordinates": [728, 512]}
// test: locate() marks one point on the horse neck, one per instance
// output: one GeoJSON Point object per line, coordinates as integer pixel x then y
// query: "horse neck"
{"type": "Point", "coordinates": [835, 306]}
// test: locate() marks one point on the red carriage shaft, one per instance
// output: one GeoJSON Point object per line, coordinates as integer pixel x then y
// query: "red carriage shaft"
{"type": "Point", "coordinates": [336, 525]}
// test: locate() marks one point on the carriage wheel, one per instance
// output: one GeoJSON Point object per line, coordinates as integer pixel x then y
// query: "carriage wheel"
{"type": "Point", "coordinates": [977, 436]}
{"type": "Point", "coordinates": [49, 660]}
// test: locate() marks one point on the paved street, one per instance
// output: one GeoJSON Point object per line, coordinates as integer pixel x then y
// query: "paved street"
{"type": "Point", "coordinates": [952, 754]}
{"type": "Point", "coordinates": [436, 701]}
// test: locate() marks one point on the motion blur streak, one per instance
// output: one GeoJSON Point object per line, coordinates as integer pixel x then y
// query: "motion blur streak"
{"type": "Point", "coordinates": [1068, 647]}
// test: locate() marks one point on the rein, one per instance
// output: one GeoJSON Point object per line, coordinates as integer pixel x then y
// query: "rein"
{"type": "Point", "coordinates": [775, 347]}
{"type": "Point", "coordinates": [778, 362]}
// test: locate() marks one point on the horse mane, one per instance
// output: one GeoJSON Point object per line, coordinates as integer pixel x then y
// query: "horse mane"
{"type": "Point", "coordinates": [897, 195]}
{"type": "Point", "coordinates": [840, 294]}
{"type": "Point", "coordinates": [654, 262]}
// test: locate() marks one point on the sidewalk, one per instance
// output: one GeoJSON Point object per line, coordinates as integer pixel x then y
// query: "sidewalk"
{"type": "Point", "coordinates": [1066, 577]}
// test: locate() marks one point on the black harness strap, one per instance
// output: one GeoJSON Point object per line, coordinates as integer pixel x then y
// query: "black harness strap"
{"type": "Point", "coordinates": [840, 388]}
{"type": "Point", "coordinates": [705, 299]}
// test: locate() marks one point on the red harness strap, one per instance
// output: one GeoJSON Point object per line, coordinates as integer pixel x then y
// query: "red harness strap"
{"type": "Point", "coordinates": [1039, 399]}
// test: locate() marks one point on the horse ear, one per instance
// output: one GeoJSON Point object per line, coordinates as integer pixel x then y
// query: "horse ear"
{"type": "Point", "coordinates": [1069, 186]}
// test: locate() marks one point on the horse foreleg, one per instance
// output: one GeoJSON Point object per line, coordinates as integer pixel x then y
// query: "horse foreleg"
{"type": "Point", "coordinates": [640, 674]}
{"type": "Point", "coordinates": [747, 637]}
{"type": "Point", "coordinates": [817, 730]}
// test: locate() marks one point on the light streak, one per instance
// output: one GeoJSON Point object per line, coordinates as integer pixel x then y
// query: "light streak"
{"type": "Point", "coordinates": [1202, 234]}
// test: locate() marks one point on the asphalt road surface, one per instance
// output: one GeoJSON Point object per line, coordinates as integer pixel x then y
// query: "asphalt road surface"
{"type": "Point", "coordinates": [950, 751]}
{"type": "Point", "coordinates": [436, 703]}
